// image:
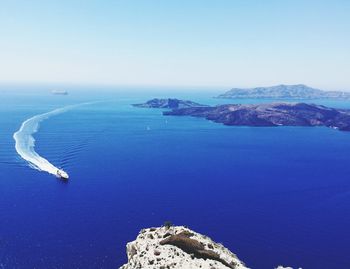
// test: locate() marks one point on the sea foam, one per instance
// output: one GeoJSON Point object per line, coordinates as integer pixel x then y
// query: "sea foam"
{"type": "Point", "coordinates": [25, 142]}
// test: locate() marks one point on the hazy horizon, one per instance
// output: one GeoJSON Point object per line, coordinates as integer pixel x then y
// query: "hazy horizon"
{"type": "Point", "coordinates": [206, 44]}
{"type": "Point", "coordinates": [50, 86]}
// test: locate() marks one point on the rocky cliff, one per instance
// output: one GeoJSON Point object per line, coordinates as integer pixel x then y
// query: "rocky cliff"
{"type": "Point", "coordinates": [178, 247]}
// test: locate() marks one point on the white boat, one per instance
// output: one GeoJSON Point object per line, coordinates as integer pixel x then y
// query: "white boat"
{"type": "Point", "coordinates": [62, 174]}
{"type": "Point", "coordinates": [59, 92]}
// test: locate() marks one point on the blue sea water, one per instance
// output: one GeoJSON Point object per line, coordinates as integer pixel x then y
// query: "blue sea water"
{"type": "Point", "coordinates": [271, 195]}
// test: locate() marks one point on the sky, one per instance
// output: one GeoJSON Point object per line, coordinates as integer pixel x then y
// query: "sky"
{"type": "Point", "coordinates": [221, 43]}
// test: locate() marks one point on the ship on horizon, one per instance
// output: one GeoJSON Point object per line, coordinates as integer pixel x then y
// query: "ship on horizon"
{"type": "Point", "coordinates": [59, 92]}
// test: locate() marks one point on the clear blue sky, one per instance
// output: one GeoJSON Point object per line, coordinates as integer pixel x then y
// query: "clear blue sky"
{"type": "Point", "coordinates": [239, 43]}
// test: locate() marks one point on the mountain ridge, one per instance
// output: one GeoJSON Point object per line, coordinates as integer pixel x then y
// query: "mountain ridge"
{"type": "Point", "coordinates": [270, 114]}
{"type": "Point", "coordinates": [283, 91]}
{"type": "Point", "coordinates": [264, 114]}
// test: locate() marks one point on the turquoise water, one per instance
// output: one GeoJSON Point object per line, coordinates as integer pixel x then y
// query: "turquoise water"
{"type": "Point", "coordinates": [271, 195]}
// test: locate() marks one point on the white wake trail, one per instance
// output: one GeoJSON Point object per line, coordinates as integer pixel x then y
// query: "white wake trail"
{"type": "Point", "coordinates": [25, 142]}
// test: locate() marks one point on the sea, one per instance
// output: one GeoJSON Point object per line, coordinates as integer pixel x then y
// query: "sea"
{"type": "Point", "coordinates": [272, 195]}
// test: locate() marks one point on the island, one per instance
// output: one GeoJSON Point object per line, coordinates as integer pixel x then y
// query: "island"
{"type": "Point", "coordinates": [298, 91]}
{"type": "Point", "coordinates": [270, 114]}
{"type": "Point", "coordinates": [178, 247]}
{"type": "Point", "coordinates": [168, 103]}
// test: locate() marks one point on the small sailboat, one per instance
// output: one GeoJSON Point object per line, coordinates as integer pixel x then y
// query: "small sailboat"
{"type": "Point", "coordinates": [62, 174]}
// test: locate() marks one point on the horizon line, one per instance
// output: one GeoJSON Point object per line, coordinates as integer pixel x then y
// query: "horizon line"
{"type": "Point", "coordinates": [156, 86]}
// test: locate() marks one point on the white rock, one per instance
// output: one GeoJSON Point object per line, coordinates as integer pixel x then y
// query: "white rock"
{"type": "Point", "coordinates": [146, 252]}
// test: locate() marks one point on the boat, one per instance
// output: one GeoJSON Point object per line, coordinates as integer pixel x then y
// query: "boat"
{"type": "Point", "coordinates": [59, 92]}
{"type": "Point", "coordinates": [62, 174]}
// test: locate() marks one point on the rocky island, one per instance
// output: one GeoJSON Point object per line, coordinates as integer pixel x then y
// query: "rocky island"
{"type": "Point", "coordinates": [168, 103]}
{"type": "Point", "coordinates": [178, 247]}
{"type": "Point", "coordinates": [298, 91]}
{"type": "Point", "coordinates": [272, 114]}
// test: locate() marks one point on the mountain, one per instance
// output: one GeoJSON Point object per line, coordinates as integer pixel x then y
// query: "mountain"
{"type": "Point", "coordinates": [270, 114]}
{"type": "Point", "coordinates": [298, 91]}
{"type": "Point", "coordinates": [273, 114]}
{"type": "Point", "coordinates": [168, 103]}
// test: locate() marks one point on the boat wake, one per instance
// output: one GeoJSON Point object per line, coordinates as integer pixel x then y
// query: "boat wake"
{"type": "Point", "coordinates": [25, 142]}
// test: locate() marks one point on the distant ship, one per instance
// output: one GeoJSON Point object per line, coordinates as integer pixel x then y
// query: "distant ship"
{"type": "Point", "coordinates": [62, 174]}
{"type": "Point", "coordinates": [59, 92]}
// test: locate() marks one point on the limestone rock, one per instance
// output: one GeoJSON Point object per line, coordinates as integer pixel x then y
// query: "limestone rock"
{"type": "Point", "coordinates": [178, 247]}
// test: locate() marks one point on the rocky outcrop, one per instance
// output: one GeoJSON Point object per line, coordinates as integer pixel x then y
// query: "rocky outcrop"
{"type": "Point", "coordinates": [274, 114]}
{"type": "Point", "coordinates": [194, 247]}
{"type": "Point", "coordinates": [178, 247]}
{"type": "Point", "coordinates": [168, 103]}
{"type": "Point", "coordinates": [298, 91]}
